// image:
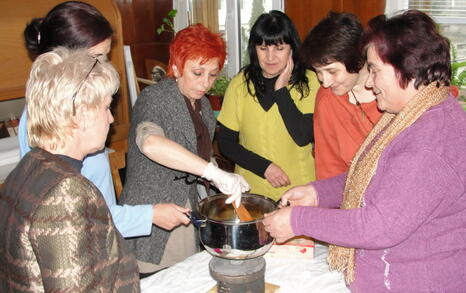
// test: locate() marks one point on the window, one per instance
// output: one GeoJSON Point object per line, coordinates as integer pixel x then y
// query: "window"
{"type": "Point", "coordinates": [449, 14]}
{"type": "Point", "coordinates": [234, 19]}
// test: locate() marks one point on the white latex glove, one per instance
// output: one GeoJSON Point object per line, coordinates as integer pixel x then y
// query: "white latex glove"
{"type": "Point", "coordinates": [228, 183]}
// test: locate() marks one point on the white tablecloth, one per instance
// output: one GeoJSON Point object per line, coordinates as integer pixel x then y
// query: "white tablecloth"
{"type": "Point", "coordinates": [292, 275]}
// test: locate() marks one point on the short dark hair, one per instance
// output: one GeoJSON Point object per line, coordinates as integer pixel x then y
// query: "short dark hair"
{"type": "Point", "coordinates": [274, 28]}
{"type": "Point", "coordinates": [411, 43]}
{"type": "Point", "coordinates": [71, 24]}
{"type": "Point", "coordinates": [334, 39]}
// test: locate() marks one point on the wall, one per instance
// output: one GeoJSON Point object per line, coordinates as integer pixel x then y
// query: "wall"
{"type": "Point", "coordinates": [140, 19]}
{"type": "Point", "coordinates": [307, 13]}
{"type": "Point", "coordinates": [11, 108]}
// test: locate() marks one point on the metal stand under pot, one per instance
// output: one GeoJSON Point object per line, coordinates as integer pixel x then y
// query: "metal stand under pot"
{"type": "Point", "coordinates": [237, 247]}
{"type": "Point", "coordinates": [238, 276]}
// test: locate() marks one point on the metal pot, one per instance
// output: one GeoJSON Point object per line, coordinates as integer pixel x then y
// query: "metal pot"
{"type": "Point", "coordinates": [222, 233]}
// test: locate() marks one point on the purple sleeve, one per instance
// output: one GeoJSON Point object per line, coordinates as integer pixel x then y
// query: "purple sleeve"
{"type": "Point", "coordinates": [405, 193]}
{"type": "Point", "coordinates": [330, 191]}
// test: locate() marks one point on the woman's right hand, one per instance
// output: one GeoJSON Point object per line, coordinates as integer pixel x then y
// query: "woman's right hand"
{"type": "Point", "coordinates": [303, 195]}
{"type": "Point", "coordinates": [276, 176]}
{"type": "Point", "coordinates": [169, 215]}
{"type": "Point", "coordinates": [228, 183]}
{"type": "Point", "coordinates": [285, 76]}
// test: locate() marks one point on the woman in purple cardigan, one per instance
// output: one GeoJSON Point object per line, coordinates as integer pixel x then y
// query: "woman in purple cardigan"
{"type": "Point", "coordinates": [396, 221]}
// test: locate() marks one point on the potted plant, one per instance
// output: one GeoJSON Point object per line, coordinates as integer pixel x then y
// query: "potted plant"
{"type": "Point", "coordinates": [168, 21]}
{"type": "Point", "coordinates": [458, 77]}
{"type": "Point", "coordinates": [216, 93]}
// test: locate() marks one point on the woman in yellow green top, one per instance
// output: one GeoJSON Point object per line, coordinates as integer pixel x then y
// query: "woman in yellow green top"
{"type": "Point", "coordinates": [266, 118]}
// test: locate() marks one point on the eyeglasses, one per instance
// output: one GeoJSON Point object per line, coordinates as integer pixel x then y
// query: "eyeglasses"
{"type": "Point", "coordinates": [82, 82]}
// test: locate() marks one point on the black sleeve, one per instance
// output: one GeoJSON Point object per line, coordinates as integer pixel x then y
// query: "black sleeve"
{"type": "Point", "coordinates": [299, 125]}
{"type": "Point", "coordinates": [229, 146]}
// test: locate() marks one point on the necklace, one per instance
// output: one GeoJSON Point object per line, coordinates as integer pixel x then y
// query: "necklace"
{"type": "Point", "coordinates": [364, 114]}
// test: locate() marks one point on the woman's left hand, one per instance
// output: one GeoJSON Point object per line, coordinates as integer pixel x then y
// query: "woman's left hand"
{"type": "Point", "coordinates": [285, 76]}
{"type": "Point", "coordinates": [278, 224]}
{"type": "Point", "coordinates": [169, 215]}
{"type": "Point", "coordinates": [276, 176]}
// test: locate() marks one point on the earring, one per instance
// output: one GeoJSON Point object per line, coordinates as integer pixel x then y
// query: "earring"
{"type": "Point", "coordinates": [176, 72]}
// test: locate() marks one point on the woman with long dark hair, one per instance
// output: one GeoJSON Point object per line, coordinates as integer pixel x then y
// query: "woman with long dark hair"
{"type": "Point", "coordinates": [266, 116]}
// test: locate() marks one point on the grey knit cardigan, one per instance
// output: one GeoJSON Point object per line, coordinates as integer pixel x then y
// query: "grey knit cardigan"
{"type": "Point", "coordinates": [148, 182]}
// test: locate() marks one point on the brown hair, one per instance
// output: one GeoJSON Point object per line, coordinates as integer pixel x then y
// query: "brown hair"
{"type": "Point", "coordinates": [71, 24]}
{"type": "Point", "coordinates": [411, 43]}
{"type": "Point", "coordinates": [334, 39]}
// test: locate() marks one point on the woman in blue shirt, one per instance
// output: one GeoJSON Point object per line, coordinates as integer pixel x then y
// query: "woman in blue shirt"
{"type": "Point", "coordinates": [76, 24]}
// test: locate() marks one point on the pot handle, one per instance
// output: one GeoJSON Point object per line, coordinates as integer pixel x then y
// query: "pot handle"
{"type": "Point", "coordinates": [196, 219]}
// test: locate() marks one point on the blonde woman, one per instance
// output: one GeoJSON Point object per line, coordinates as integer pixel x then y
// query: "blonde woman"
{"type": "Point", "coordinates": [57, 231]}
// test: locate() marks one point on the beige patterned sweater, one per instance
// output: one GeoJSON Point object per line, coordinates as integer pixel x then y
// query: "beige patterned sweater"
{"type": "Point", "coordinates": [57, 234]}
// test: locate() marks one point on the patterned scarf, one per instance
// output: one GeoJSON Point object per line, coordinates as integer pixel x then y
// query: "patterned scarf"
{"type": "Point", "coordinates": [364, 164]}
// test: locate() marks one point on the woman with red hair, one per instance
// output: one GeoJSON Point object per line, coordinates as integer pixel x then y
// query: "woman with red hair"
{"type": "Point", "coordinates": [170, 145]}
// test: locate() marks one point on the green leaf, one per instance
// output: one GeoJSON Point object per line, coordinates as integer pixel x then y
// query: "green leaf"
{"type": "Point", "coordinates": [172, 13]}
{"type": "Point", "coordinates": [457, 65]}
{"type": "Point", "coordinates": [220, 86]}
{"type": "Point", "coordinates": [168, 21]}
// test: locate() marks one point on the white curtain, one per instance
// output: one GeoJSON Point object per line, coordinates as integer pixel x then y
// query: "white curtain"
{"type": "Point", "coordinates": [206, 12]}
